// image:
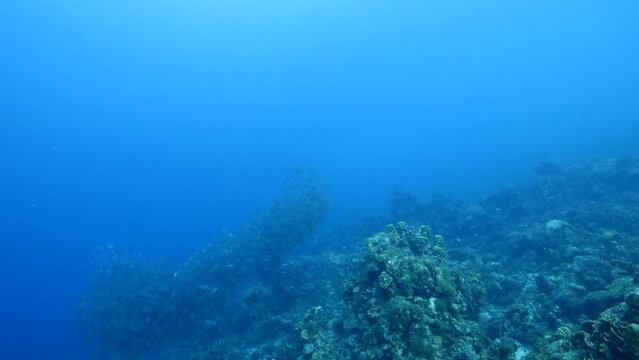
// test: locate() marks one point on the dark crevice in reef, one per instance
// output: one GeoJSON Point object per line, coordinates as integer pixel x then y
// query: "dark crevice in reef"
{"type": "Point", "coordinates": [543, 271]}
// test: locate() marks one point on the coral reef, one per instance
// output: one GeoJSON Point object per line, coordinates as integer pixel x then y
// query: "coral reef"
{"type": "Point", "coordinates": [135, 306]}
{"type": "Point", "coordinates": [543, 271]}
{"type": "Point", "coordinates": [410, 303]}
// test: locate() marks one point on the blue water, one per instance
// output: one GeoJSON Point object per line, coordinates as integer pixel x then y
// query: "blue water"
{"type": "Point", "coordinates": [152, 125]}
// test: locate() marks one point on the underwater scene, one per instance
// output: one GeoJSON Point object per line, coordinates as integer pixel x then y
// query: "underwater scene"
{"type": "Point", "coordinates": [319, 180]}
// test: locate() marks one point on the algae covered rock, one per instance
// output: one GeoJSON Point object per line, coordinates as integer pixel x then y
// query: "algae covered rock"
{"type": "Point", "coordinates": [410, 302]}
{"type": "Point", "coordinates": [632, 300]}
{"type": "Point", "coordinates": [631, 341]}
{"type": "Point", "coordinates": [556, 225]}
{"type": "Point", "coordinates": [611, 336]}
